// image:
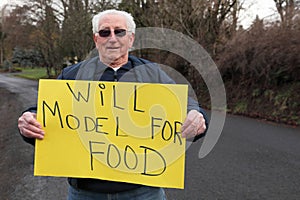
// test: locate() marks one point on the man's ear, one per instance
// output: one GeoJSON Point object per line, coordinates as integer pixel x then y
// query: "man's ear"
{"type": "Point", "coordinates": [95, 39]}
{"type": "Point", "coordinates": [131, 40]}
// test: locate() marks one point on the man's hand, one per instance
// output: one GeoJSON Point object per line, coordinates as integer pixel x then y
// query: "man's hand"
{"type": "Point", "coordinates": [193, 125]}
{"type": "Point", "coordinates": [29, 126]}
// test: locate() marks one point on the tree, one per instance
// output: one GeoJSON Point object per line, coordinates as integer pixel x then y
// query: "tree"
{"type": "Point", "coordinates": [287, 10]}
{"type": "Point", "coordinates": [26, 57]}
{"type": "Point", "coordinates": [203, 21]}
{"type": "Point", "coordinates": [2, 34]}
{"type": "Point", "coordinates": [16, 27]}
{"type": "Point", "coordinates": [47, 36]}
{"type": "Point", "coordinates": [2, 38]}
{"type": "Point", "coordinates": [58, 29]}
{"type": "Point", "coordinates": [76, 38]}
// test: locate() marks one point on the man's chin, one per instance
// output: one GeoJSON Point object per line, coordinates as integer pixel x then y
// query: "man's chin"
{"type": "Point", "coordinates": [115, 59]}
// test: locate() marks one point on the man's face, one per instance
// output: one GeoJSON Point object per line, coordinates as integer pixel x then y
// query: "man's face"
{"type": "Point", "coordinates": [113, 48]}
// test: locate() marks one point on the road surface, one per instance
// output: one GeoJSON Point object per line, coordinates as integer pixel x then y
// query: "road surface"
{"type": "Point", "coordinates": [252, 160]}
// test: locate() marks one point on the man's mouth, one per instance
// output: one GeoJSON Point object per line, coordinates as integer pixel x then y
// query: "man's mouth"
{"type": "Point", "coordinates": [112, 48]}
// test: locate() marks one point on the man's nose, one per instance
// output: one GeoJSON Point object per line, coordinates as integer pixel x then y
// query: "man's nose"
{"type": "Point", "coordinates": [112, 36]}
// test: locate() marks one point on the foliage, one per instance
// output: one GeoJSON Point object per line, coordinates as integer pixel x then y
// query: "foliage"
{"type": "Point", "coordinates": [287, 10]}
{"type": "Point", "coordinates": [76, 37]}
{"type": "Point", "coordinates": [204, 21]}
{"type": "Point", "coordinates": [264, 54]}
{"type": "Point", "coordinates": [58, 29]}
{"type": "Point", "coordinates": [261, 67]}
{"type": "Point", "coordinates": [26, 57]}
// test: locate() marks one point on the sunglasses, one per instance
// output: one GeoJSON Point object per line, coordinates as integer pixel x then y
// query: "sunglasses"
{"type": "Point", "coordinates": [117, 32]}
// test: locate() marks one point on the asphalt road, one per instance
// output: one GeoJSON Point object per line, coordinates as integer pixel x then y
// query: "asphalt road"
{"type": "Point", "coordinates": [252, 160]}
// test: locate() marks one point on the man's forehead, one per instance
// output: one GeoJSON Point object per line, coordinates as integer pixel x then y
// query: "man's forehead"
{"type": "Point", "coordinates": [112, 20]}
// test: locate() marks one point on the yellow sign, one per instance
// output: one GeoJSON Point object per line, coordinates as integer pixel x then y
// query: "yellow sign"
{"type": "Point", "coordinates": [126, 132]}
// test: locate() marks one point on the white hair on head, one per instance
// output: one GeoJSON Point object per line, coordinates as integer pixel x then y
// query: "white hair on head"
{"type": "Point", "coordinates": [129, 19]}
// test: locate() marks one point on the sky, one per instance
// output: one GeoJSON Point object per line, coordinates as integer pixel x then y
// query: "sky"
{"type": "Point", "coordinates": [262, 8]}
{"type": "Point", "coordinates": [3, 2]}
{"type": "Point", "coordinates": [265, 9]}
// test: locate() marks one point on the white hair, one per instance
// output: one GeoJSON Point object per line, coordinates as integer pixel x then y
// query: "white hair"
{"type": "Point", "coordinates": [129, 19]}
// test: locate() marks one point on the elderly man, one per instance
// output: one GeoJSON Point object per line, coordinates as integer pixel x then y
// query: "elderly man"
{"type": "Point", "coordinates": [113, 36]}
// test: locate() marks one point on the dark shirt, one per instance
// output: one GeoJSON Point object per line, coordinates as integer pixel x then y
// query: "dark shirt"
{"type": "Point", "coordinates": [111, 75]}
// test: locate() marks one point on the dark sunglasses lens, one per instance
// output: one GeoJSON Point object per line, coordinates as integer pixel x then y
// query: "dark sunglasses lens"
{"type": "Point", "coordinates": [120, 32]}
{"type": "Point", "coordinates": [104, 33]}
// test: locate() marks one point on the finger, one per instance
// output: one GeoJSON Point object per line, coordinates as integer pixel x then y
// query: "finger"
{"type": "Point", "coordinates": [191, 124]}
{"type": "Point", "coordinates": [31, 119]}
{"type": "Point", "coordinates": [29, 126]}
{"type": "Point", "coordinates": [35, 129]}
{"type": "Point", "coordinates": [197, 127]}
{"type": "Point", "coordinates": [31, 134]}
{"type": "Point", "coordinates": [191, 117]}
{"type": "Point", "coordinates": [202, 127]}
{"type": "Point", "coordinates": [31, 131]}
{"type": "Point", "coordinates": [190, 131]}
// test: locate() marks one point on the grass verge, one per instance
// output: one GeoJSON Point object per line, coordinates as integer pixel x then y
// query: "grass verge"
{"type": "Point", "coordinates": [33, 73]}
